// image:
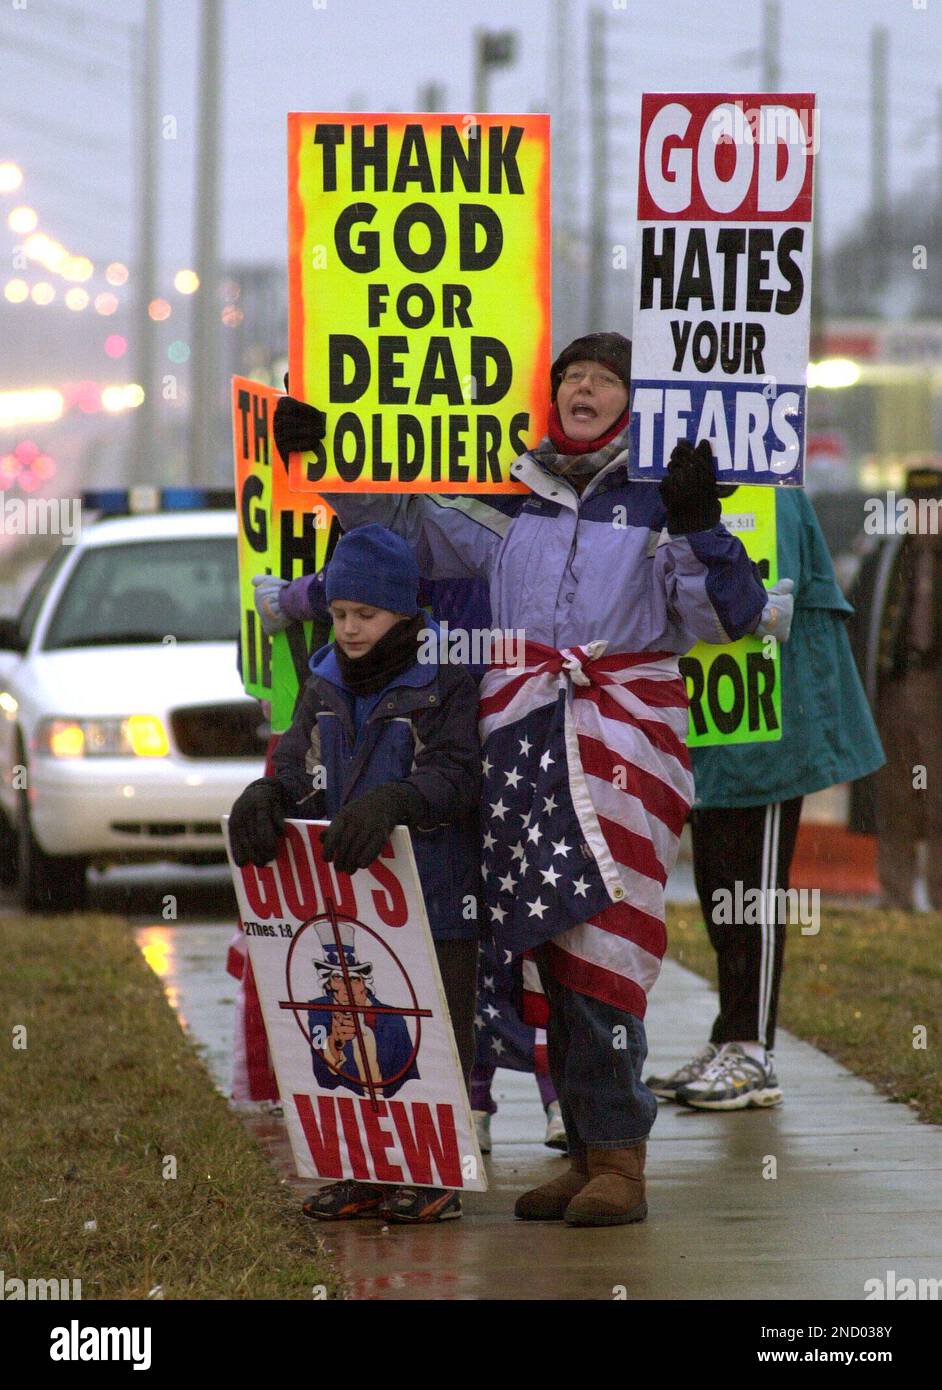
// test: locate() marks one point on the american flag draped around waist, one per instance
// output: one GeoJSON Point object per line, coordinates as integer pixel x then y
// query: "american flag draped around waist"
{"type": "Point", "coordinates": [587, 786]}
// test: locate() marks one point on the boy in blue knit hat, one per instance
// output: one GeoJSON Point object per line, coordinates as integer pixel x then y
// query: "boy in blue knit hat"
{"type": "Point", "coordinates": [397, 741]}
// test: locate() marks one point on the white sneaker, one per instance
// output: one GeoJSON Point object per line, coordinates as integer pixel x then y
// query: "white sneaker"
{"type": "Point", "coordinates": [555, 1129]}
{"type": "Point", "coordinates": [667, 1086]}
{"type": "Point", "coordinates": [733, 1081]}
{"type": "Point", "coordinates": [482, 1128]}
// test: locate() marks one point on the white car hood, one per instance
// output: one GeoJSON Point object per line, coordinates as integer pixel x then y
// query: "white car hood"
{"type": "Point", "coordinates": [146, 679]}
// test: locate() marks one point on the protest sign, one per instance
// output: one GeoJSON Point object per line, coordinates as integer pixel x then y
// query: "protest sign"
{"type": "Point", "coordinates": [280, 533]}
{"type": "Point", "coordinates": [723, 283]}
{"type": "Point", "coordinates": [419, 300]}
{"type": "Point", "coordinates": [357, 1023]}
{"type": "Point", "coordinates": [736, 691]}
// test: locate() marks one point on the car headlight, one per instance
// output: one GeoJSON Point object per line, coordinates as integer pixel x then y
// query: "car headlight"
{"type": "Point", "coordinates": [137, 735]}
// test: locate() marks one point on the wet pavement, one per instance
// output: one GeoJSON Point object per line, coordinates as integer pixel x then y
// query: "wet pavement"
{"type": "Point", "coordinates": [856, 1191]}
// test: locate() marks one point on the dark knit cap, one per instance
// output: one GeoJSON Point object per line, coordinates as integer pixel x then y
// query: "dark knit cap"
{"type": "Point", "coordinates": [611, 349]}
{"type": "Point", "coordinates": [372, 565]}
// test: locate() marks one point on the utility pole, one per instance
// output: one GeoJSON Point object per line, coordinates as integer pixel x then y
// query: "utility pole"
{"type": "Point", "coordinates": [879, 174]}
{"type": "Point", "coordinates": [818, 283]}
{"type": "Point", "coordinates": [203, 413]}
{"type": "Point", "coordinates": [565, 326]}
{"type": "Point", "coordinates": [771, 46]}
{"type": "Point", "coordinates": [431, 97]}
{"type": "Point", "coordinates": [140, 467]}
{"type": "Point", "coordinates": [479, 82]}
{"type": "Point", "coordinates": [491, 50]}
{"type": "Point", "coordinates": [599, 174]}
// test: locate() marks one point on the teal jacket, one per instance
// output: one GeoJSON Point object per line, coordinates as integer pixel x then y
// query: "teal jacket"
{"type": "Point", "coordinates": [828, 733]}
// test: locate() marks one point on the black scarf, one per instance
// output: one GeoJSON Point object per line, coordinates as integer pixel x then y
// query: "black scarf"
{"type": "Point", "coordinates": [394, 653]}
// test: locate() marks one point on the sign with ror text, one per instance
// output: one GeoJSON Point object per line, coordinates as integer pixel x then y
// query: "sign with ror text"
{"type": "Point", "coordinates": [735, 691]}
{"type": "Point", "coordinates": [419, 299]}
{"type": "Point", "coordinates": [357, 1023]}
{"type": "Point", "coordinates": [280, 533]}
{"type": "Point", "coordinates": [723, 282]}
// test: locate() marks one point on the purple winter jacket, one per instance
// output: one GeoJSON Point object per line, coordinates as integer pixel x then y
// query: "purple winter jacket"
{"type": "Point", "coordinates": [568, 569]}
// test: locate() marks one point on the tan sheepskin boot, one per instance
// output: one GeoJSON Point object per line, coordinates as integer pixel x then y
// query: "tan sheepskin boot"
{"type": "Point", "coordinates": [614, 1194]}
{"type": "Point", "coordinates": [549, 1202]}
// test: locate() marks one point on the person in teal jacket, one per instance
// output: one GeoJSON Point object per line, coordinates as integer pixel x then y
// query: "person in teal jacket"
{"type": "Point", "coordinates": [744, 821]}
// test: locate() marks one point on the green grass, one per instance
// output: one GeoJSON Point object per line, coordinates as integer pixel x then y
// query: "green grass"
{"type": "Point", "coordinates": [856, 991]}
{"type": "Point", "coordinates": [106, 1089]}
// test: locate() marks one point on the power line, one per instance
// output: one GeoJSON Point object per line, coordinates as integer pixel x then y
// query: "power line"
{"type": "Point", "coordinates": [116, 31]}
{"type": "Point", "coordinates": [52, 130]}
{"type": "Point", "coordinates": [95, 68]}
{"type": "Point", "coordinates": [53, 185]}
{"type": "Point", "coordinates": [56, 9]}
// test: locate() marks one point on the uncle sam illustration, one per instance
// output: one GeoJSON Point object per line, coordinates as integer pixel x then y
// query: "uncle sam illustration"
{"type": "Point", "coordinates": [339, 1057]}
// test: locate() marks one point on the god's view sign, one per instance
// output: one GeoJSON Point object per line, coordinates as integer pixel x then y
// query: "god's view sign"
{"type": "Point", "coordinates": [356, 1018]}
{"type": "Point", "coordinates": [419, 271]}
{"type": "Point", "coordinates": [723, 282]}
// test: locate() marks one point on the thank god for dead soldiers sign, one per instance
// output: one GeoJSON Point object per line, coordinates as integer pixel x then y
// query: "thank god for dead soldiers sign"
{"type": "Point", "coordinates": [419, 301]}
{"type": "Point", "coordinates": [723, 283]}
{"type": "Point", "coordinates": [357, 1024]}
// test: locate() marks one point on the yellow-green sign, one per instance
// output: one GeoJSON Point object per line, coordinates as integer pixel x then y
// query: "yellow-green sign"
{"type": "Point", "coordinates": [281, 533]}
{"type": "Point", "coordinates": [419, 297]}
{"type": "Point", "coordinates": [736, 691]}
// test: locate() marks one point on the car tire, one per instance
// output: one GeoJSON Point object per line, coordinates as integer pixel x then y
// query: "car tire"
{"type": "Point", "coordinates": [7, 852]}
{"type": "Point", "coordinates": [45, 882]}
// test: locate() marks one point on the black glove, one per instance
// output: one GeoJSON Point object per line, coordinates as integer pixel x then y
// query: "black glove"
{"type": "Point", "coordinates": [297, 426]}
{"type": "Point", "coordinates": [689, 490]}
{"type": "Point", "coordinates": [257, 822]}
{"type": "Point", "coordinates": [359, 830]}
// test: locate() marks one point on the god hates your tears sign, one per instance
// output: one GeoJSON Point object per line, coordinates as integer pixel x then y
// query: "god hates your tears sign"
{"type": "Point", "coordinates": [419, 297]}
{"type": "Point", "coordinates": [356, 1018]}
{"type": "Point", "coordinates": [723, 283]}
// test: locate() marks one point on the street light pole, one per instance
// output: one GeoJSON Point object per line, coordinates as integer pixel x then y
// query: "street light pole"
{"type": "Point", "coordinates": [771, 46]}
{"type": "Point", "coordinates": [140, 466]}
{"type": "Point", "coordinates": [203, 415]}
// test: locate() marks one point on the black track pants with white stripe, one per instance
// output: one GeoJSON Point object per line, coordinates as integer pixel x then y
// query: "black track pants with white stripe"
{"type": "Point", "coordinates": [751, 846]}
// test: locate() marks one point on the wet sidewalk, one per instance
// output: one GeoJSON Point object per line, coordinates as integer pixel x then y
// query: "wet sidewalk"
{"type": "Point", "coordinates": [857, 1190]}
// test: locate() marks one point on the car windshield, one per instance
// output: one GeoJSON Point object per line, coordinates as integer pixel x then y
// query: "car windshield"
{"type": "Point", "coordinates": [150, 591]}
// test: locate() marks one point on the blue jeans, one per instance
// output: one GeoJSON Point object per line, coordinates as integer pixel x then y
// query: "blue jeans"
{"type": "Point", "coordinates": [604, 1102]}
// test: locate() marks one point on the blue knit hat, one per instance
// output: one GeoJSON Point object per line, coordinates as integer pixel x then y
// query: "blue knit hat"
{"type": "Point", "coordinates": [371, 564]}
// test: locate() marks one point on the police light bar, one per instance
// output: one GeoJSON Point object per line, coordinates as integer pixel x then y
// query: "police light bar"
{"type": "Point", "coordinates": [145, 499]}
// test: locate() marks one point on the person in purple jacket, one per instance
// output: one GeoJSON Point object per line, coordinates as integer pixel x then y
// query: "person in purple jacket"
{"type": "Point", "coordinates": [585, 561]}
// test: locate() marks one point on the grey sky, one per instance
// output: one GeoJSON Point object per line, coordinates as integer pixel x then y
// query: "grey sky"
{"type": "Point", "coordinates": [72, 130]}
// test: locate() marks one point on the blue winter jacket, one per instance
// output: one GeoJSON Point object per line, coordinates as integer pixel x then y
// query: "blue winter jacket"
{"type": "Point", "coordinates": [421, 729]}
{"type": "Point", "coordinates": [568, 569]}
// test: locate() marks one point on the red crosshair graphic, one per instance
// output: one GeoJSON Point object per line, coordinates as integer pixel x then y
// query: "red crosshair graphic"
{"type": "Point", "coordinates": [356, 1009]}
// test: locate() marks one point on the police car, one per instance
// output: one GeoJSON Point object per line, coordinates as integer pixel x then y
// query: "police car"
{"type": "Point", "coordinates": [124, 730]}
